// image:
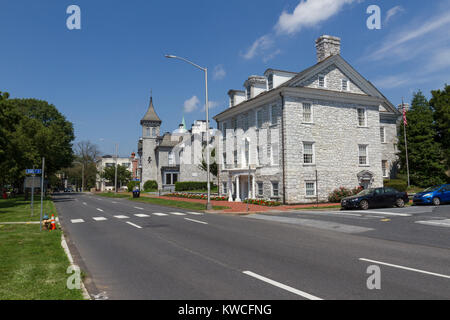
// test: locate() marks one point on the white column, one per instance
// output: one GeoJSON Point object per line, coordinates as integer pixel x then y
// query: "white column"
{"type": "Point", "coordinates": [230, 189]}
{"type": "Point", "coordinates": [253, 187]}
{"type": "Point", "coordinates": [238, 182]}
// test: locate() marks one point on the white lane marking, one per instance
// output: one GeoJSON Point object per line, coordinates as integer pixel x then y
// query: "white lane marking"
{"type": "Point", "coordinates": [139, 208]}
{"type": "Point", "coordinates": [195, 213]}
{"type": "Point", "coordinates": [121, 217]}
{"type": "Point", "coordinates": [159, 214]}
{"type": "Point", "coordinates": [282, 286]}
{"type": "Point", "coordinates": [386, 213]}
{"type": "Point", "coordinates": [195, 221]}
{"type": "Point", "coordinates": [406, 268]}
{"type": "Point", "coordinates": [99, 218]}
{"type": "Point", "coordinates": [178, 213]}
{"type": "Point", "coordinates": [134, 225]}
{"type": "Point", "coordinates": [85, 203]}
{"type": "Point", "coordinates": [439, 223]}
{"type": "Point", "coordinates": [114, 202]}
{"type": "Point", "coordinates": [100, 210]}
{"type": "Point", "coordinates": [142, 215]}
{"type": "Point", "coordinates": [77, 220]}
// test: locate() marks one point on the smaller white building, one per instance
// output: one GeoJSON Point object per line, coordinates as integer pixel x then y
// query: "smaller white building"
{"type": "Point", "coordinates": [109, 161]}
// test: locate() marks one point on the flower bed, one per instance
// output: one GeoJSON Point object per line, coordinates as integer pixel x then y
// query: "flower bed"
{"type": "Point", "coordinates": [195, 196]}
{"type": "Point", "coordinates": [261, 202]}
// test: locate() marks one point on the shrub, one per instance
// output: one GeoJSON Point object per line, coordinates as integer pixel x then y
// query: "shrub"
{"type": "Point", "coordinates": [150, 185]}
{"type": "Point", "coordinates": [132, 184]}
{"type": "Point", "coordinates": [261, 202]}
{"type": "Point", "coordinates": [192, 185]}
{"type": "Point", "coordinates": [337, 195]}
{"type": "Point", "coordinates": [397, 184]}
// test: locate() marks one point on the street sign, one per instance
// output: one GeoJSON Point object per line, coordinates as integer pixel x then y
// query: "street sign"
{"type": "Point", "coordinates": [32, 182]}
{"type": "Point", "coordinates": [33, 171]}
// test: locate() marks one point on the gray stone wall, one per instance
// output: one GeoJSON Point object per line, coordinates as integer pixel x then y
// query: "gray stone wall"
{"type": "Point", "coordinates": [149, 170]}
{"type": "Point", "coordinates": [389, 149]}
{"type": "Point", "coordinates": [333, 80]}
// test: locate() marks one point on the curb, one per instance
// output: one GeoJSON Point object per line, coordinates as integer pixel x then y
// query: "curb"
{"type": "Point", "coordinates": [69, 256]}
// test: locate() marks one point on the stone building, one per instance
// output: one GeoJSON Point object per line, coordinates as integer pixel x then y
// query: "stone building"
{"type": "Point", "coordinates": [297, 136]}
{"type": "Point", "coordinates": [170, 157]}
{"type": "Point", "coordinates": [110, 161]}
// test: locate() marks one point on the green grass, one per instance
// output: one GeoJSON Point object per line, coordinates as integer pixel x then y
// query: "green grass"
{"type": "Point", "coordinates": [33, 264]}
{"type": "Point", "coordinates": [177, 204]}
{"type": "Point", "coordinates": [19, 210]}
{"type": "Point", "coordinates": [114, 195]}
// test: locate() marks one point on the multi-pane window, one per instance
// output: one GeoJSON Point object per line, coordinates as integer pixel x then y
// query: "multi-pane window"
{"type": "Point", "coordinates": [148, 131]}
{"type": "Point", "coordinates": [259, 118]}
{"type": "Point", "coordinates": [362, 122]}
{"type": "Point", "coordinates": [234, 123]}
{"type": "Point", "coordinates": [274, 154]}
{"type": "Point", "coordinates": [307, 112]}
{"type": "Point", "coordinates": [322, 81]}
{"type": "Point", "coordinates": [260, 188]}
{"type": "Point", "coordinates": [225, 187]}
{"type": "Point", "coordinates": [224, 158]}
{"type": "Point", "coordinates": [171, 158]}
{"type": "Point", "coordinates": [235, 158]}
{"type": "Point", "coordinates": [363, 155]}
{"type": "Point", "coordinates": [270, 81]}
{"type": "Point", "coordinates": [275, 191]}
{"type": "Point", "coordinates": [310, 189]}
{"type": "Point", "coordinates": [384, 166]}
{"type": "Point", "coordinates": [382, 135]}
{"type": "Point", "coordinates": [308, 153]}
{"type": "Point", "coordinates": [274, 115]}
{"type": "Point", "coordinates": [344, 85]}
{"type": "Point", "coordinates": [249, 92]}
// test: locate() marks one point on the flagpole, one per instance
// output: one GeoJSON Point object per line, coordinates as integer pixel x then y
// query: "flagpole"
{"type": "Point", "coordinates": [406, 142]}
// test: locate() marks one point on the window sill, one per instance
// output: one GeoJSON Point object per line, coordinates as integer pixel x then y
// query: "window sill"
{"type": "Point", "coordinates": [310, 197]}
{"type": "Point", "coordinates": [364, 165]}
{"type": "Point", "coordinates": [363, 127]}
{"type": "Point", "coordinates": [307, 122]}
{"type": "Point", "coordinates": [309, 164]}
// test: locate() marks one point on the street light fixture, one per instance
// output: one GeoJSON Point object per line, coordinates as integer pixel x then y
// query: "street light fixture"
{"type": "Point", "coordinates": [169, 56]}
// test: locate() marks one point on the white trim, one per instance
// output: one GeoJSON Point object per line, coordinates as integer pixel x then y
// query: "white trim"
{"type": "Point", "coordinates": [342, 85]}
{"type": "Point", "coordinates": [313, 153]}
{"type": "Point", "coordinates": [365, 117]}
{"type": "Point", "coordinates": [367, 164]}
{"type": "Point", "coordinates": [315, 189]}
{"type": "Point", "coordinates": [324, 80]}
{"type": "Point", "coordinates": [383, 141]}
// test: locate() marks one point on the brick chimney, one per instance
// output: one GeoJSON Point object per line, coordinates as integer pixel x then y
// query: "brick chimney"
{"type": "Point", "coordinates": [327, 46]}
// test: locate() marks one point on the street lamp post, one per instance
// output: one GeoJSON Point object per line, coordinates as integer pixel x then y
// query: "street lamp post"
{"type": "Point", "coordinates": [248, 180]}
{"type": "Point", "coordinates": [208, 204]}
{"type": "Point", "coordinates": [115, 173]}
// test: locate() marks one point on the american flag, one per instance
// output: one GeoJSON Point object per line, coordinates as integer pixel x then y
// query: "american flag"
{"type": "Point", "coordinates": [405, 121]}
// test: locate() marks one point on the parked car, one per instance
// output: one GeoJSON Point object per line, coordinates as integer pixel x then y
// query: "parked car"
{"type": "Point", "coordinates": [433, 195]}
{"type": "Point", "coordinates": [376, 198]}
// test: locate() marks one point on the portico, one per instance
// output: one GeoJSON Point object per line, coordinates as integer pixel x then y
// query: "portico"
{"type": "Point", "coordinates": [238, 182]}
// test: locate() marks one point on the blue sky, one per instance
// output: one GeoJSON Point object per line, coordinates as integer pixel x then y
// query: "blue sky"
{"type": "Point", "coordinates": [100, 77]}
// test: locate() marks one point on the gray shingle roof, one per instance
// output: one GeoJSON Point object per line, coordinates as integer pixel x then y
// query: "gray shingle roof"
{"type": "Point", "coordinates": [151, 113]}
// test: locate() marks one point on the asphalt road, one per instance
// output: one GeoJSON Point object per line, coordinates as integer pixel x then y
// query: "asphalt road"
{"type": "Point", "coordinates": [134, 250]}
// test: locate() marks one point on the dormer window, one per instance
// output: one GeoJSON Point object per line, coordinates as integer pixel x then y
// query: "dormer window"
{"type": "Point", "coordinates": [249, 92]}
{"type": "Point", "coordinates": [270, 81]}
{"type": "Point", "coordinates": [321, 81]}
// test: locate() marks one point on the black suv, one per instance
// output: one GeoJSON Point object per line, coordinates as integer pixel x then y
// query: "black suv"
{"type": "Point", "coordinates": [376, 198]}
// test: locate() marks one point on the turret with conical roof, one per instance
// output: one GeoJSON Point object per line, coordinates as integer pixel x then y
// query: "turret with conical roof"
{"type": "Point", "coordinates": [151, 115]}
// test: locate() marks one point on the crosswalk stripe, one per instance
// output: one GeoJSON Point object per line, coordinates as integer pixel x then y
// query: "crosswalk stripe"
{"type": "Point", "coordinates": [160, 214]}
{"type": "Point", "coordinates": [195, 213]}
{"type": "Point", "coordinates": [178, 213]}
{"type": "Point", "coordinates": [382, 213]}
{"type": "Point", "coordinates": [121, 217]}
{"type": "Point", "coordinates": [439, 223]}
{"type": "Point", "coordinates": [139, 208]}
{"type": "Point", "coordinates": [77, 220]}
{"type": "Point", "coordinates": [99, 218]}
{"type": "Point", "coordinates": [142, 215]}
{"type": "Point", "coordinates": [100, 210]}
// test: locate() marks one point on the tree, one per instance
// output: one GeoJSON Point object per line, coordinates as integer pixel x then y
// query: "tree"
{"type": "Point", "coordinates": [440, 102]}
{"type": "Point", "coordinates": [87, 154]}
{"type": "Point", "coordinates": [425, 155]}
{"type": "Point", "coordinates": [123, 175]}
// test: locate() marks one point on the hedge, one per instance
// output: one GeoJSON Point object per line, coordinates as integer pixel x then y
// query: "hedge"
{"type": "Point", "coordinates": [191, 185]}
{"type": "Point", "coordinates": [132, 184]}
{"type": "Point", "coordinates": [150, 185]}
{"type": "Point", "coordinates": [399, 185]}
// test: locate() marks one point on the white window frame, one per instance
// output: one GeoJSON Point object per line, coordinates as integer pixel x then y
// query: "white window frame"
{"type": "Point", "coordinates": [271, 115]}
{"type": "Point", "coordinates": [313, 153]}
{"type": "Point", "coordinates": [367, 164]}
{"type": "Point", "coordinates": [324, 80]}
{"type": "Point", "coordinates": [278, 189]}
{"type": "Point", "coordinates": [342, 85]}
{"type": "Point", "coordinates": [225, 187]}
{"type": "Point", "coordinates": [314, 189]}
{"type": "Point", "coordinates": [365, 117]}
{"type": "Point", "coordinates": [383, 136]}
{"type": "Point", "coordinates": [303, 112]}
{"type": "Point", "coordinates": [258, 184]}
{"type": "Point", "coordinates": [385, 173]}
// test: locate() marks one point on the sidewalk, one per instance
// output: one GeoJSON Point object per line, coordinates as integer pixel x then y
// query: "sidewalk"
{"type": "Point", "coordinates": [241, 208]}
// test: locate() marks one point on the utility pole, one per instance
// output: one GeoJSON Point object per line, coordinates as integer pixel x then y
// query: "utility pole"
{"type": "Point", "coordinates": [42, 193]}
{"type": "Point", "coordinates": [32, 192]}
{"type": "Point", "coordinates": [115, 175]}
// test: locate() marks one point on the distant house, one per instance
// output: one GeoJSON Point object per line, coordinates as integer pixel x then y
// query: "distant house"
{"type": "Point", "coordinates": [306, 133]}
{"type": "Point", "coordinates": [110, 161]}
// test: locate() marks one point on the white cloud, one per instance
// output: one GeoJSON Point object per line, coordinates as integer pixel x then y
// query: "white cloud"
{"type": "Point", "coordinates": [191, 104]}
{"type": "Point", "coordinates": [392, 12]}
{"type": "Point", "coordinates": [308, 13]}
{"type": "Point", "coordinates": [219, 72]}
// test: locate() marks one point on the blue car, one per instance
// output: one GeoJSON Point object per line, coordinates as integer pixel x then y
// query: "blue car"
{"type": "Point", "coordinates": [434, 195]}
